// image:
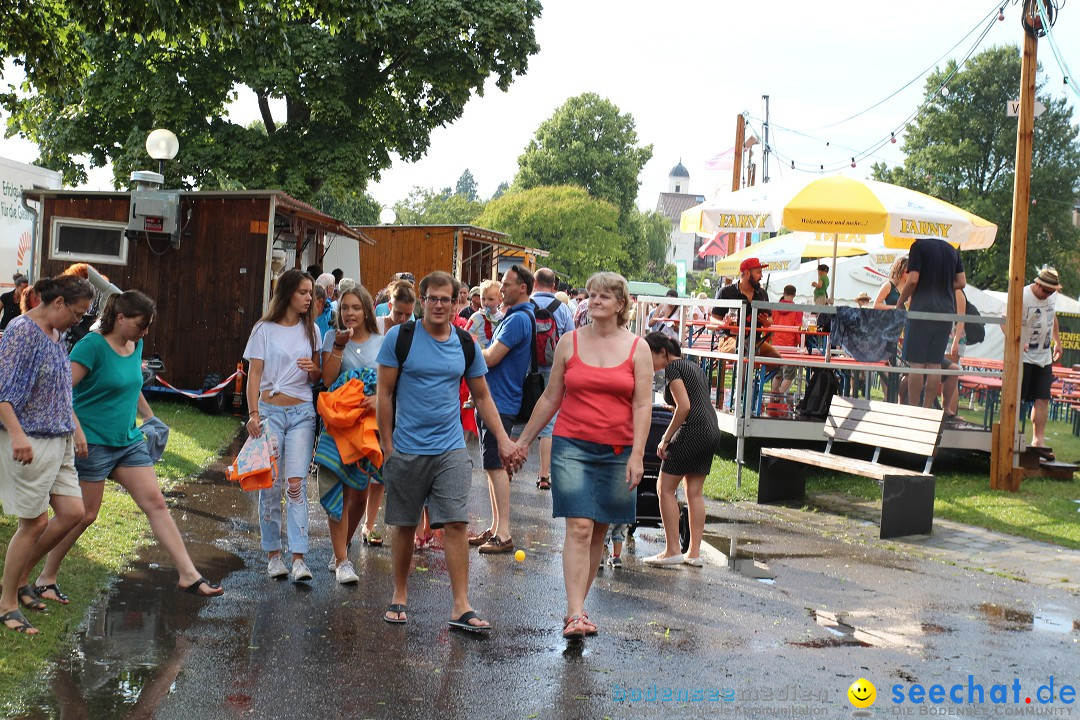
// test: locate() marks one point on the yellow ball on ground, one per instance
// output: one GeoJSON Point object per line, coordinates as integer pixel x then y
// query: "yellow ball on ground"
{"type": "Point", "coordinates": [520, 556]}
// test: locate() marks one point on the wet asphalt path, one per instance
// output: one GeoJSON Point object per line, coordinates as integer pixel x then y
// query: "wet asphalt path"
{"type": "Point", "coordinates": [274, 649]}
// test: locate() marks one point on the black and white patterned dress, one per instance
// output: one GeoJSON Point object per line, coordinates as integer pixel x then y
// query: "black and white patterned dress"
{"type": "Point", "coordinates": [691, 450]}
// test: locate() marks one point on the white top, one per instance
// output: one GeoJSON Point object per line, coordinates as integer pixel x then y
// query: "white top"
{"type": "Point", "coordinates": [1038, 329]}
{"type": "Point", "coordinates": [280, 347]}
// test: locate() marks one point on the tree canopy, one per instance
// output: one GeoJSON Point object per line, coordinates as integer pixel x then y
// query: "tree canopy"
{"type": "Point", "coordinates": [580, 231]}
{"type": "Point", "coordinates": [962, 149]}
{"type": "Point", "coordinates": [425, 206]}
{"type": "Point", "coordinates": [359, 80]}
{"type": "Point", "coordinates": [586, 142]}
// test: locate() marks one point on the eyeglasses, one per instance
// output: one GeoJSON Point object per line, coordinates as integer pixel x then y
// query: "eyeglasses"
{"type": "Point", "coordinates": [77, 317]}
{"type": "Point", "coordinates": [435, 300]}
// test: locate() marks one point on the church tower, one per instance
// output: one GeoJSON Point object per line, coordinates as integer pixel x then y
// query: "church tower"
{"type": "Point", "coordinates": [679, 179]}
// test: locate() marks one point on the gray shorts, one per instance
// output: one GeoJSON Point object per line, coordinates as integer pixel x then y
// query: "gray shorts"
{"type": "Point", "coordinates": [441, 481]}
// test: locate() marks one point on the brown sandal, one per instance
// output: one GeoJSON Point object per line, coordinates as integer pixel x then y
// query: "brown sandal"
{"type": "Point", "coordinates": [23, 626]}
{"type": "Point", "coordinates": [574, 628]}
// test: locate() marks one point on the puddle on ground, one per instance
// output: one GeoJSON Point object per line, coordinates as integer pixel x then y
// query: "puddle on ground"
{"type": "Point", "coordinates": [1051, 618]}
{"type": "Point", "coordinates": [133, 643]}
{"type": "Point", "coordinates": [738, 560]}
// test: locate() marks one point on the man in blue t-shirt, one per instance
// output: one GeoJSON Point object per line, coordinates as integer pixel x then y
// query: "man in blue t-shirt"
{"type": "Point", "coordinates": [423, 444]}
{"type": "Point", "coordinates": [509, 358]}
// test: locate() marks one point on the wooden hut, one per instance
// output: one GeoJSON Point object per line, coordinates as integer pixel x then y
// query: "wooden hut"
{"type": "Point", "coordinates": [469, 253]}
{"type": "Point", "coordinates": [211, 282]}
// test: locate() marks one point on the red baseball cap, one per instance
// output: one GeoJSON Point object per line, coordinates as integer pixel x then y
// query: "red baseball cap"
{"type": "Point", "coordinates": [751, 264]}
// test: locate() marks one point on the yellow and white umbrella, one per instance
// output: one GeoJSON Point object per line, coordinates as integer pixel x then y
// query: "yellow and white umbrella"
{"type": "Point", "coordinates": [841, 205]}
{"type": "Point", "coordinates": [785, 252]}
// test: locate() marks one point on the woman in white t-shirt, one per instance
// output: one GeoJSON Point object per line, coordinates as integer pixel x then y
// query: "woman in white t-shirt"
{"type": "Point", "coordinates": [353, 344]}
{"type": "Point", "coordinates": [282, 353]}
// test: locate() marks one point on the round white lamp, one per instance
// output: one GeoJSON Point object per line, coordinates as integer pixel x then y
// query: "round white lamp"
{"type": "Point", "coordinates": [387, 216]}
{"type": "Point", "coordinates": [162, 145]}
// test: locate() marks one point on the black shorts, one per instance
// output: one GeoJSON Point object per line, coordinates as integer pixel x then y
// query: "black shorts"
{"type": "Point", "coordinates": [925, 341]}
{"type": "Point", "coordinates": [492, 461]}
{"type": "Point", "coordinates": [1035, 382]}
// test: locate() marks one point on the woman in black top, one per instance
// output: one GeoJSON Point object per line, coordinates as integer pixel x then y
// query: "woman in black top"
{"type": "Point", "coordinates": [10, 300]}
{"type": "Point", "coordinates": [687, 448]}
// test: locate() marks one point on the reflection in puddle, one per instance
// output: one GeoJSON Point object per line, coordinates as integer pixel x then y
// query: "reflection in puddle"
{"type": "Point", "coordinates": [1050, 618]}
{"type": "Point", "coordinates": [746, 566]}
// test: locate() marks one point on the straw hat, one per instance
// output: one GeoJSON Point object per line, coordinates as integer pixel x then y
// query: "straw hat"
{"type": "Point", "coordinates": [1048, 278]}
{"type": "Point", "coordinates": [862, 296]}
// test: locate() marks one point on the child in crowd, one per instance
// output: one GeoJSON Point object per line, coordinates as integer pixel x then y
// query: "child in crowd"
{"type": "Point", "coordinates": [482, 323]}
{"type": "Point", "coordinates": [617, 536]}
{"type": "Point", "coordinates": [821, 287]}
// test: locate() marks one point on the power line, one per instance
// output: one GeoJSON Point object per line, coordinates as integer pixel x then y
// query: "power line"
{"type": "Point", "coordinates": [995, 12]}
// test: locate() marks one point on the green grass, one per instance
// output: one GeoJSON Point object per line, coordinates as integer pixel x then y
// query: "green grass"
{"type": "Point", "coordinates": [1043, 509]}
{"type": "Point", "coordinates": [101, 553]}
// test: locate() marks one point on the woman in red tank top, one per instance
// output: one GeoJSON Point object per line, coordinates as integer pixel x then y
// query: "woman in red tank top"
{"type": "Point", "coordinates": [601, 384]}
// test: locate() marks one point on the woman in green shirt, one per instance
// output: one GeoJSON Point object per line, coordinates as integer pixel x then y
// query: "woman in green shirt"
{"type": "Point", "coordinates": [106, 372]}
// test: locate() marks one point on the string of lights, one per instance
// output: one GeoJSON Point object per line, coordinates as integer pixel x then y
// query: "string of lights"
{"type": "Point", "coordinates": [1048, 23]}
{"type": "Point", "coordinates": [942, 89]}
{"type": "Point", "coordinates": [997, 12]}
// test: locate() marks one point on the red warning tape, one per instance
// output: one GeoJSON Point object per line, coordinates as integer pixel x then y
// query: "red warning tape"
{"type": "Point", "coordinates": [206, 393]}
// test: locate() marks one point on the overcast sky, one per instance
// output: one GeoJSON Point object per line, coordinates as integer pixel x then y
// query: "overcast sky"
{"type": "Point", "coordinates": [685, 69]}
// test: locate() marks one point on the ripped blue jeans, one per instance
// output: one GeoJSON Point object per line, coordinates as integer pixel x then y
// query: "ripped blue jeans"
{"type": "Point", "coordinates": [293, 431]}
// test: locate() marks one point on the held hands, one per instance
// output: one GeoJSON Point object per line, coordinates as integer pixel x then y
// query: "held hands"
{"type": "Point", "coordinates": [513, 455]}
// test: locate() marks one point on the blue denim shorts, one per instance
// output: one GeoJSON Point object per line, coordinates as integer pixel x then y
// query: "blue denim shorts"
{"type": "Point", "coordinates": [588, 480]}
{"type": "Point", "coordinates": [101, 460]}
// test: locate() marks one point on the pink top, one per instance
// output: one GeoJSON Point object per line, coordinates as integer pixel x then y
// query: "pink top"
{"type": "Point", "coordinates": [599, 402]}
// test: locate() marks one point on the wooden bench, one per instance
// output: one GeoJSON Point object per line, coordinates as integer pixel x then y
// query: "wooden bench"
{"type": "Point", "coordinates": [907, 506]}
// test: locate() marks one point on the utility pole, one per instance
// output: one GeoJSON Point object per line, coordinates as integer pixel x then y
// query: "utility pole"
{"type": "Point", "coordinates": [1003, 473]}
{"type": "Point", "coordinates": [736, 166]}
{"type": "Point", "coordinates": [765, 150]}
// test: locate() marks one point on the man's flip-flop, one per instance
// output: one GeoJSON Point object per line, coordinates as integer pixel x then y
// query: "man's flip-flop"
{"type": "Point", "coordinates": [24, 625]}
{"type": "Point", "coordinates": [462, 623]}
{"type": "Point", "coordinates": [397, 608]}
{"type": "Point", "coordinates": [193, 588]}
{"type": "Point", "coordinates": [60, 597]}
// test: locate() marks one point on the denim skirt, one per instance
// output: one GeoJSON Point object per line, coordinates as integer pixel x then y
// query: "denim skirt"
{"type": "Point", "coordinates": [588, 480]}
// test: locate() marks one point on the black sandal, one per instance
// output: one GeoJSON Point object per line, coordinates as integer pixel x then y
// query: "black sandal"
{"type": "Point", "coordinates": [34, 603]}
{"type": "Point", "coordinates": [544, 482]}
{"type": "Point", "coordinates": [193, 588]}
{"type": "Point", "coordinates": [24, 625]}
{"type": "Point", "coordinates": [55, 589]}
{"type": "Point", "coordinates": [398, 609]}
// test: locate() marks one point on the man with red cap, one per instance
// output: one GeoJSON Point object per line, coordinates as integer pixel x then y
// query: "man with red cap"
{"type": "Point", "coordinates": [747, 289]}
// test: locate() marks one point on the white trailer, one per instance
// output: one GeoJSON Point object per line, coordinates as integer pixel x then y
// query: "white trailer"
{"type": "Point", "coordinates": [17, 223]}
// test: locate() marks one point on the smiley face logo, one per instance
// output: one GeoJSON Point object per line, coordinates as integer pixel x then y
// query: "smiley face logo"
{"type": "Point", "coordinates": [862, 693]}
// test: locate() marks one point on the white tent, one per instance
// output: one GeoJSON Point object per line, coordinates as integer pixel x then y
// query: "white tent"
{"type": "Point", "coordinates": [866, 274]}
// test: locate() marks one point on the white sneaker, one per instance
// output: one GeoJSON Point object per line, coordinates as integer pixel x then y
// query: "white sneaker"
{"type": "Point", "coordinates": [276, 567]}
{"type": "Point", "coordinates": [332, 565]}
{"type": "Point", "coordinates": [346, 574]}
{"type": "Point", "coordinates": [300, 570]}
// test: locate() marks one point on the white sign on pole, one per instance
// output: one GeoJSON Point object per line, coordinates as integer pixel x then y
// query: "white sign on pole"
{"type": "Point", "coordinates": [1012, 108]}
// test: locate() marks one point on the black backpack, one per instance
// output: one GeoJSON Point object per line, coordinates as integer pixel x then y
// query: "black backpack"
{"type": "Point", "coordinates": [975, 332]}
{"type": "Point", "coordinates": [819, 394]}
{"type": "Point", "coordinates": [404, 344]}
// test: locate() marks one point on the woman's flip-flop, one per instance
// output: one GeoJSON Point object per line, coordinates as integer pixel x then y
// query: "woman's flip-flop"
{"type": "Point", "coordinates": [462, 623]}
{"type": "Point", "coordinates": [33, 603]}
{"type": "Point", "coordinates": [193, 588]}
{"type": "Point", "coordinates": [23, 626]}
{"type": "Point", "coordinates": [58, 596]}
